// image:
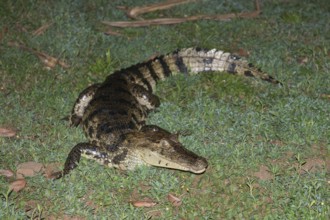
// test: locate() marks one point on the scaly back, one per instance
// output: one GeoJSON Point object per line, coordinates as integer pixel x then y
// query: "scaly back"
{"type": "Point", "coordinates": [122, 102]}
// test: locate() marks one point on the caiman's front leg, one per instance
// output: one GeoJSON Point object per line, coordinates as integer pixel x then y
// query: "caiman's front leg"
{"type": "Point", "coordinates": [86, 149]}
{"type": "Point", "coordinates": [81, 103]}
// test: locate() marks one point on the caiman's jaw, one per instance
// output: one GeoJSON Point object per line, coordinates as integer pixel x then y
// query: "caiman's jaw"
{"type": "Point", "coordinates": [155, 146]}
{"type": "Point", "coordinates": [171, 154]}
{"type": "Point", "coordinates": [195, 165]}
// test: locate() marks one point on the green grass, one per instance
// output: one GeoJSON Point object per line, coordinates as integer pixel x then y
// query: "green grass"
{"type": "Point", "coordinates": [238, 124]}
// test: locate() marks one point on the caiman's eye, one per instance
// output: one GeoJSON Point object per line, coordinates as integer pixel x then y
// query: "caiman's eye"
{"type": "Point", "coordinates": [165, 143]}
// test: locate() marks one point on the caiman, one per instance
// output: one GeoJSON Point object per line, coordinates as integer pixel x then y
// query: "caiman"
{"type": "Point", "coordinates": [113, 113]}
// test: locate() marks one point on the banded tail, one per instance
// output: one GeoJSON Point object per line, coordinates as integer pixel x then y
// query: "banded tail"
{"type": "Point", "coordinates": [192, 61]}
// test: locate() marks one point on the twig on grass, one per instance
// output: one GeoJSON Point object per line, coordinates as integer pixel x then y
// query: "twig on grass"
{"type": "Point", "coordinates": [49, 61]}
{"type": "Point", "coordinates": [164, 21]}
{"type": "Point", "coordinates": [110, 31]}
{"type": "Point", "coordinates": [41, 30]}
{"type": "Point", "coordinates": [136, 11]}
{"type": "Point", "coordinates": [257, 5]}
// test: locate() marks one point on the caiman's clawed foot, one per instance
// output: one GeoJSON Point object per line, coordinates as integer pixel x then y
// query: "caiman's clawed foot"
{"type": "Point", "coordinates": [74, 158]}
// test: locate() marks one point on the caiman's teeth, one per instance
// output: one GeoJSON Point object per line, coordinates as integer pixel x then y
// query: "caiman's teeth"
{"type": "Point", "coordinates": [199, 171]}
{"type": "Point", "coordinates": [113, 113]}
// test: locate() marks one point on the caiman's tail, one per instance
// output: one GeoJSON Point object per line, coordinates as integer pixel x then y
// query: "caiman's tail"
{"type": "Point", "coordinates": [199, 60]}
{"type": "Point", "coordinates": [192, 61]}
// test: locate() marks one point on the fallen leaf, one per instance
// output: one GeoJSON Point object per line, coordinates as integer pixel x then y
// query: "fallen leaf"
{"type": "Point", "coordinates": [143, 204]}
{"type": "Point", "coordinates": [55, 175]}
{"type": "Point", "coordinates": [113, 33]}
{"type": "Point", "coordinates": [163, 21]}
{"type": "Point", "coordinates": [28, 169]}
{"type": "Point", "coordinates": [257, 5]}
{"type": "Point", "coordinates": [49, 61]}
{"type": "Point", "coordinates": [17, 185]}
{"type": "Point", "coordinates": [32, 209]}
{"type": "Point", "coordinates": [242, 52]}
{"type": "Point", "coordinates": [42, 29]}
{"type": "Point", "coordinates": [65, 217]}
{"type": "Point", "coordinates": [20, 28]}
{"type": "Point", "coordinates": [134, 12]}
{"type": "Point", "coordinates": [51, 169]}
{"type": "Point", "coordinates": [6, 173]}
{"type": "Point", "coordinates": [154, 214]}
{"type": "Point", "coordinates": [174, 200]}
{"type": "Point", "coordinates": [277, 142]}
{"type": "Point", "coordinates": [263, 173]}
{"type": "Point", "coordinates": [326, 96]}
{"type": "Point", "coordinates": [7, 132]}
{"type": "Point", "coordinates": [30, 205]}
{"type": "Point", "coordinates": [302, 60]}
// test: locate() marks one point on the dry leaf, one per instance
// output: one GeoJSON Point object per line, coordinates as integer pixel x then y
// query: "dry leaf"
{"type": "Point", "coordinates": [325, 96]}
{"type": "Point", "coordinates": [51, 169]}
{"type": "Point", "coordinates": [49, 61]}
{"type": "Point", "coordinates": [6, 173]}
{"type": "Point", "coordinates": [20, 28]}
{"type": "Point", "coordinates": [174, 200]}
{"type": "Point", "coordinates": [7, 132]}
{"type": "Point", "coordinates": [42, 29]}
{"type": "Point", "coordinates": [134, 12]}
{"type": "Point", "coordinates": [163, 21]}
{"type": "Point", "coordinates": [28, 169]}
{"type": "Point", "coordinates": [112, 32]}
{"type": "Point", "coordinates": [143, 204]}
{"type": "Point", "coordinates": [302, 60]}
{"type": "Point", "coordinates": [65, 217]}
{"type": "Point", "coordinates": [17, 185]}
{"type": "Point", "coordinates": [30, 205]}
{"type": "Point", "coordinates": [242, 52]}
{"type": "Point", "coordinates": [154, 214]}
{"type": "Point", "coordinates": [257, 5]}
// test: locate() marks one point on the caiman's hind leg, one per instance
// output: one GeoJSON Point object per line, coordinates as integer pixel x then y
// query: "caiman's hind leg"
{"type": "Point", "coordinates": [81, 103]}
{"type": "Point", "coordinates": [87, 150]}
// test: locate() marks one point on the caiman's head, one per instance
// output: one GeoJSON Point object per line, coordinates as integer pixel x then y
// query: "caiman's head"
{"type": "Point", "coordinates": [157, 147]}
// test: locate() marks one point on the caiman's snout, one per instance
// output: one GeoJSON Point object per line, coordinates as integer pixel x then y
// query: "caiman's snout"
{"type": "Point", "coordinates": [195, 164]}
{"type": "Point", "coordinates": [158, 147]}
{"type": "Point", "coordinates": [189, 161]}
{"type": "Point", "coordinates": [171, 154]}
{"type": "Point", "coordinates": [199, 166]}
